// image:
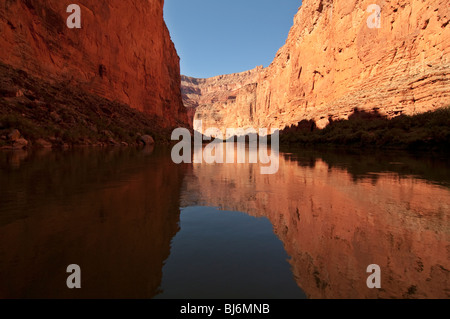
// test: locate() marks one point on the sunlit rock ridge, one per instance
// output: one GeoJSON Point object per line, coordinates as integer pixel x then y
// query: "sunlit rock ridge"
{"type": "Point", "coordinates": [332, 63]}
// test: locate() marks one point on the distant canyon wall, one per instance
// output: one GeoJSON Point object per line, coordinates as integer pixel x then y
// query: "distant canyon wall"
{"type": "Point", "coordinates": [212, 100]}
{"type": "Point", "coordinates": [123, 51]}
{"type": "Point", "coordinates": [333, 62]}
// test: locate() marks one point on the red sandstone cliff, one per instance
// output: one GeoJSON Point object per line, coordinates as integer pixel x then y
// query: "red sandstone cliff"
{"type": "Point", "coordinates": [122, 52]}
{"type": "Point", "coordinates": [212, 100]}
{"type": "Point", "coordinates": [333, 62]}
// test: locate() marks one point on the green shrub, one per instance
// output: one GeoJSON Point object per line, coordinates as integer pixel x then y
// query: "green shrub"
{"type": "Point", "coordinates": [427, 130]}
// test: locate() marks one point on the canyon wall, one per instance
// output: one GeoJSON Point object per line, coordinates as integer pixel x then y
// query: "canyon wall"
{"type": "Point", "coordinates": [333, 62]}
{"type": "Point", "coordinates": [122, 52]}
{"type": "Point", "coordinates": [214, 100]}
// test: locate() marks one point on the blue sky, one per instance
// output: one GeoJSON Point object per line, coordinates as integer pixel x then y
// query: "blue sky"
{"type": "Point", "coordinates": [215, 37]}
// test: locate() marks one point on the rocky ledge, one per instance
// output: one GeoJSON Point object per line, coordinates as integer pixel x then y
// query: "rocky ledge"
{"type": "Point", "coordinates": [38, 114]}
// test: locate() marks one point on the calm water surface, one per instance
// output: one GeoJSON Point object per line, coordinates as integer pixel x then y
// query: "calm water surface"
{"type": "Point", "coordinates": [140, 226]}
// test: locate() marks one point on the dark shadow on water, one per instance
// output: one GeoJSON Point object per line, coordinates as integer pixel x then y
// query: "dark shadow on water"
{"type": "Point", "coordinates": [111, 212]}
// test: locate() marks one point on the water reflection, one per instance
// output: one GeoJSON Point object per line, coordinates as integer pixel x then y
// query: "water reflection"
{"type": "Point", "coordinates": [338, 213]}
{"type": "Point", "coordinates": [113, 213]}
{"type": "Point", "coordinates": [227, 255]}
{"type": "Point", "coordinates": [116, 213]}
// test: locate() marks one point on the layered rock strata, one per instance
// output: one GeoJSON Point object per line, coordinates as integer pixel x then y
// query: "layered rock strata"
{"type": "Point", "coordinates": [212, 100]}
{"type": "Point", "coordinates": [335, 61]}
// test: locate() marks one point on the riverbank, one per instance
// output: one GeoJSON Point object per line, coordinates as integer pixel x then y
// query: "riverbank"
{"type": "Point", "coordinates": [40, 114]}
{"type": "Point", "coordinates": [427, 131]}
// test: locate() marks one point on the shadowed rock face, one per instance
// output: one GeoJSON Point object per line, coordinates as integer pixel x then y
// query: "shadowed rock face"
{"type": "Point", "coordinates": [122, 52]}
{"type": "Point", "coordinates": [333, 62]}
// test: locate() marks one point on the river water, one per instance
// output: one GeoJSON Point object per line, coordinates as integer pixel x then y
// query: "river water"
{"type": "Point", "coordinates": [140, 226]}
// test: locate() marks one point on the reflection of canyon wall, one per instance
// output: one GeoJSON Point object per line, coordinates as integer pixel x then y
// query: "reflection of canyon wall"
{"type": "Point", "coordinates": [333, 62]}
{"type": "Point", "coordinates": [112, 214]}
{"type": "Point", "coordinates": [123, 50]}
{"type": "Point", "coordinates": [334, 226]}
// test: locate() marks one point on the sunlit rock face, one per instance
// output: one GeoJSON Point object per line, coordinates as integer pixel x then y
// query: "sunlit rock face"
{"type": "Point", "coordinates": [333, 62]}
{"type": "Point", "coordinates": [334, 223]}
{"type": "Point", "coordinates": [226, 101]}
{"type": "Point", "coordinates": [123, 51]}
